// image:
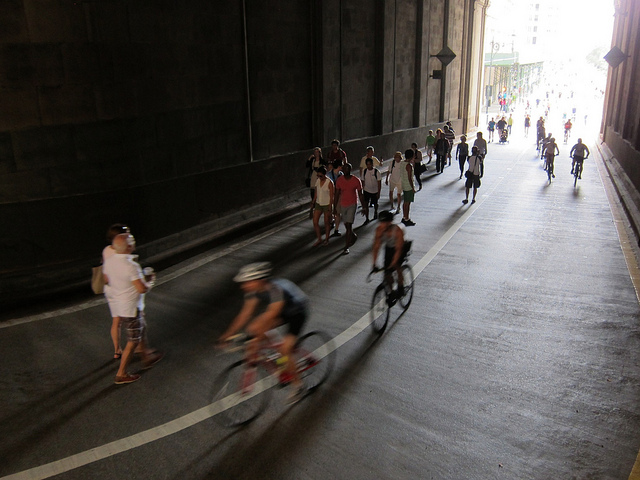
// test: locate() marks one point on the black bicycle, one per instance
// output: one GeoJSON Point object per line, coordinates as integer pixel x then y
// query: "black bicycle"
{"type": "Point", "coordinates": [389, 292]}
{"type": "Point", "coordinates": [577, 173]}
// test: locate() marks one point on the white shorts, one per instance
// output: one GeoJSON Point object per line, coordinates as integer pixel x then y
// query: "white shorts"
{"type": "Point", "coordinates": [396, 186]}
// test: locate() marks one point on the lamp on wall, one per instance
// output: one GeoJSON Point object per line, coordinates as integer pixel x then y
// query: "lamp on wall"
{"type": "Point", "coordinates": [615, 57]}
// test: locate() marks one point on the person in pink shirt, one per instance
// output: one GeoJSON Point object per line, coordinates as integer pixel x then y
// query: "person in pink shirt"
{"type": "Point", "coordinates": [348, 189]}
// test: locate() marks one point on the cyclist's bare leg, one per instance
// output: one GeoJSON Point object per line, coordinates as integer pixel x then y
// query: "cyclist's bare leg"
{"type": "Point", "coordinates": [258, 330]}
{"type": "Point", "coordinates": [286, 350]}
{"type": "Point", "coordinates": [400, 278]}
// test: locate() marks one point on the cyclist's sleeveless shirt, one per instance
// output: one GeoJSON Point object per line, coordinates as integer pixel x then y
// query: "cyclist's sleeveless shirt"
{"type": "Point", "coordinates": [295, 300]}
{"type": "Point", "coordinates": [389, 237]}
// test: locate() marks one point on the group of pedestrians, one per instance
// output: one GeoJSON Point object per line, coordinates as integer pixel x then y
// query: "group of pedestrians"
{"type": "Point", "coordinates": [336, 192]}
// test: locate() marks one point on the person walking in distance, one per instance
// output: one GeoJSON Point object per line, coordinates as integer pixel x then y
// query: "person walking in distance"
{"type": "Point", "coordinates": [336, 153]}
{"type": "Point", "coordinates": [418, 168]}
{"type": "Point", "coordinates": [372, 185]}
{"type": "Point", "coordinates": [481, 143]}
{"type": "Point", "coordinates": [394, 180]}
{"type": "Point", "coordinates": [322, 206]}
{"type": "Point", "coordinates": [462, 152]}
{"type": "Point", "coordinates": [429, 145]}
{"type": "Point", "coordinates": [127, 282]}
{"type": "Point", "coordinates": [333, 175]}
{"type": "Point", "coordinates": [408, 187]}
{"type": "Point", "coordinates": [450, 136]}
{"type": "Point", "coordinates": [492, 128]}
{"type": "Point", "coordinates": [348, 189]}
{"type": "Point", "coordinates": [442, 148]}
{"type": "Point", "coordinates": [363, 161]}
{"type": "Point", "coordinates": [473, 175]}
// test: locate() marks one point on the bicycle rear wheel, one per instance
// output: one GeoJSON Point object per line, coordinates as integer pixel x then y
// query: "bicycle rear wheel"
{"type": "Point", "coordinates": [407, 294]}
{"type": "Point", "coordinates": [379, 309]}
{"type": "Point", "coordinates": [242, 393]}
{"type": "Point", "coordinates": [314, 359]}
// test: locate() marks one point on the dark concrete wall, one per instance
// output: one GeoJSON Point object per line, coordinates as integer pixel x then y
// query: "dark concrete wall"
{"type": "Point", "coordinates": [169, 115]}
{"type": "Point", "coordinates": [621, 119]}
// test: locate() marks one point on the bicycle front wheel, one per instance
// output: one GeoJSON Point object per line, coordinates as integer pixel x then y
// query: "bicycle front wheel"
{"type": "Point", "coordinates": [241, 392]}
{"type": "Point", "coordinates": [314, 359]}
{"type": "Point", "coordinates": [407, 281]}
{"type": "Point", "coordinates": [379, 309]}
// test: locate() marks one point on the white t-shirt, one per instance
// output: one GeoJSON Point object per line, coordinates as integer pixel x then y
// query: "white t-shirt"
{"type": "Point", "coordinates": [122, 270]}
{"type": "Point", "coordinates": [396, 173]}
{"type": "Point", "coordinates": [370, 180]}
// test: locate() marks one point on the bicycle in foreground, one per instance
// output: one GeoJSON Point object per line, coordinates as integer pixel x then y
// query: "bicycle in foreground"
{"type": "Point", "coordinates": [245, 387]}
{"type": "Point", "coordinates": [387, 294]}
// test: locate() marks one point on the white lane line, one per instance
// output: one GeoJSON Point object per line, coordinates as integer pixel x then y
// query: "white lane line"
{"type": "Point", "coordinates": [161, 278]}
{"type": "Point", "coordinates": [128, 443]}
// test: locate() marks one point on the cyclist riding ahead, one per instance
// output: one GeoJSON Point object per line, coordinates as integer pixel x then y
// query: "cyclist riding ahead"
{"type": "Point", "coordinates": [578, 155]}
{"type": "Point", "coordinates": [395, 251]}
{"type": "Point", "coordinates": [269, 303]}
{"type": "Point", "coordinates": [567, 130]}
{"type": "Point", "coordinates": [550, 151]}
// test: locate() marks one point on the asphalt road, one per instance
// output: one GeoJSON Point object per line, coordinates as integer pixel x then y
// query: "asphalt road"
{"type": "Point", "coordinates": [518, 357]}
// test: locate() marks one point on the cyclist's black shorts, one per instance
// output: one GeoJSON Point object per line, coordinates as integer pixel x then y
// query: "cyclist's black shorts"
{"type": "Point", "coordinates": [389, 253]}
{"type": "Point", "coordinates": [295, 322]}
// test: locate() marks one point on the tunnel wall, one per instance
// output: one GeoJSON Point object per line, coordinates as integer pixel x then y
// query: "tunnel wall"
{"type": "Point", "coordinates": [172, 115]}
{"type": "Point", "coordinates": [621, 119]}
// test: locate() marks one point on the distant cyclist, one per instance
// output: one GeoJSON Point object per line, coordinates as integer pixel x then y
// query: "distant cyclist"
{"type": "Point", "coordinates": [280, 302]}
{"type": "Point", "coordinates": [578, 154]}
{"type": "Point", "coordinates": [550, 151]}
{"type": "Point", "coordinates": [392, 236]}
{"type": "Point", "coordinates": [540, 132]}
{"type": "Point", "coordinates": [567, 130]}
{"type": "Point", "coordinates": [543, 145]}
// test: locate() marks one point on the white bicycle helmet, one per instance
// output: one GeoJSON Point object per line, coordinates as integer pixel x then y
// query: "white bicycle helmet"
{"type": "Point", "coordinates": [253, 271]}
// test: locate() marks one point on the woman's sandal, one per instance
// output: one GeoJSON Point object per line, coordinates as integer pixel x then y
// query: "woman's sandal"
{"type": "Point", "coordinates": [117, 356]}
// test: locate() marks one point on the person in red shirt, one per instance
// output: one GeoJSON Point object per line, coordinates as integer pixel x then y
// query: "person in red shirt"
{"type": "Point", "coordinates": [336, 153]}
{"type": "Point", "coordinates": [348, 189]}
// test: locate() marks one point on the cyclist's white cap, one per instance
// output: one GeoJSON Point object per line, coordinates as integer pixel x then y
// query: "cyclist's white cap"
{"type": "Point", "coordinates": [253, 271]}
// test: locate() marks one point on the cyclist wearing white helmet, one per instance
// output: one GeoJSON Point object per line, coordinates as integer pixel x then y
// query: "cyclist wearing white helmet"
{"type": "Point", "coordinates": [269, 303]}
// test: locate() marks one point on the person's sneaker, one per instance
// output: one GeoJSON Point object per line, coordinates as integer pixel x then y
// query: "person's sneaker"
{"type": "Point", "coordinates": [472, 202]}
{"type": "Point", "coordinates": [128, 378]}
{"type": "Point", "coordinates": [296, 395]}
{"type": "Point", "coordinates": [572, 171]}
{"type": "Point", "coordinates": [465, 201]}
{"type": "Point", "coordinates": [152, 360]}
{"type": "Point", "coordinates": [345, 251]}
{"type": "Point", "coordinates": [408, 223]}
{"type": "Point", "coordinates": [397, 211]}
{"type": "Point", "coordinates": [336, 234]}
{"type": "Point", "coordinates": [553, 175]}
{"type": "Point", "coordinates": [580, 177]}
